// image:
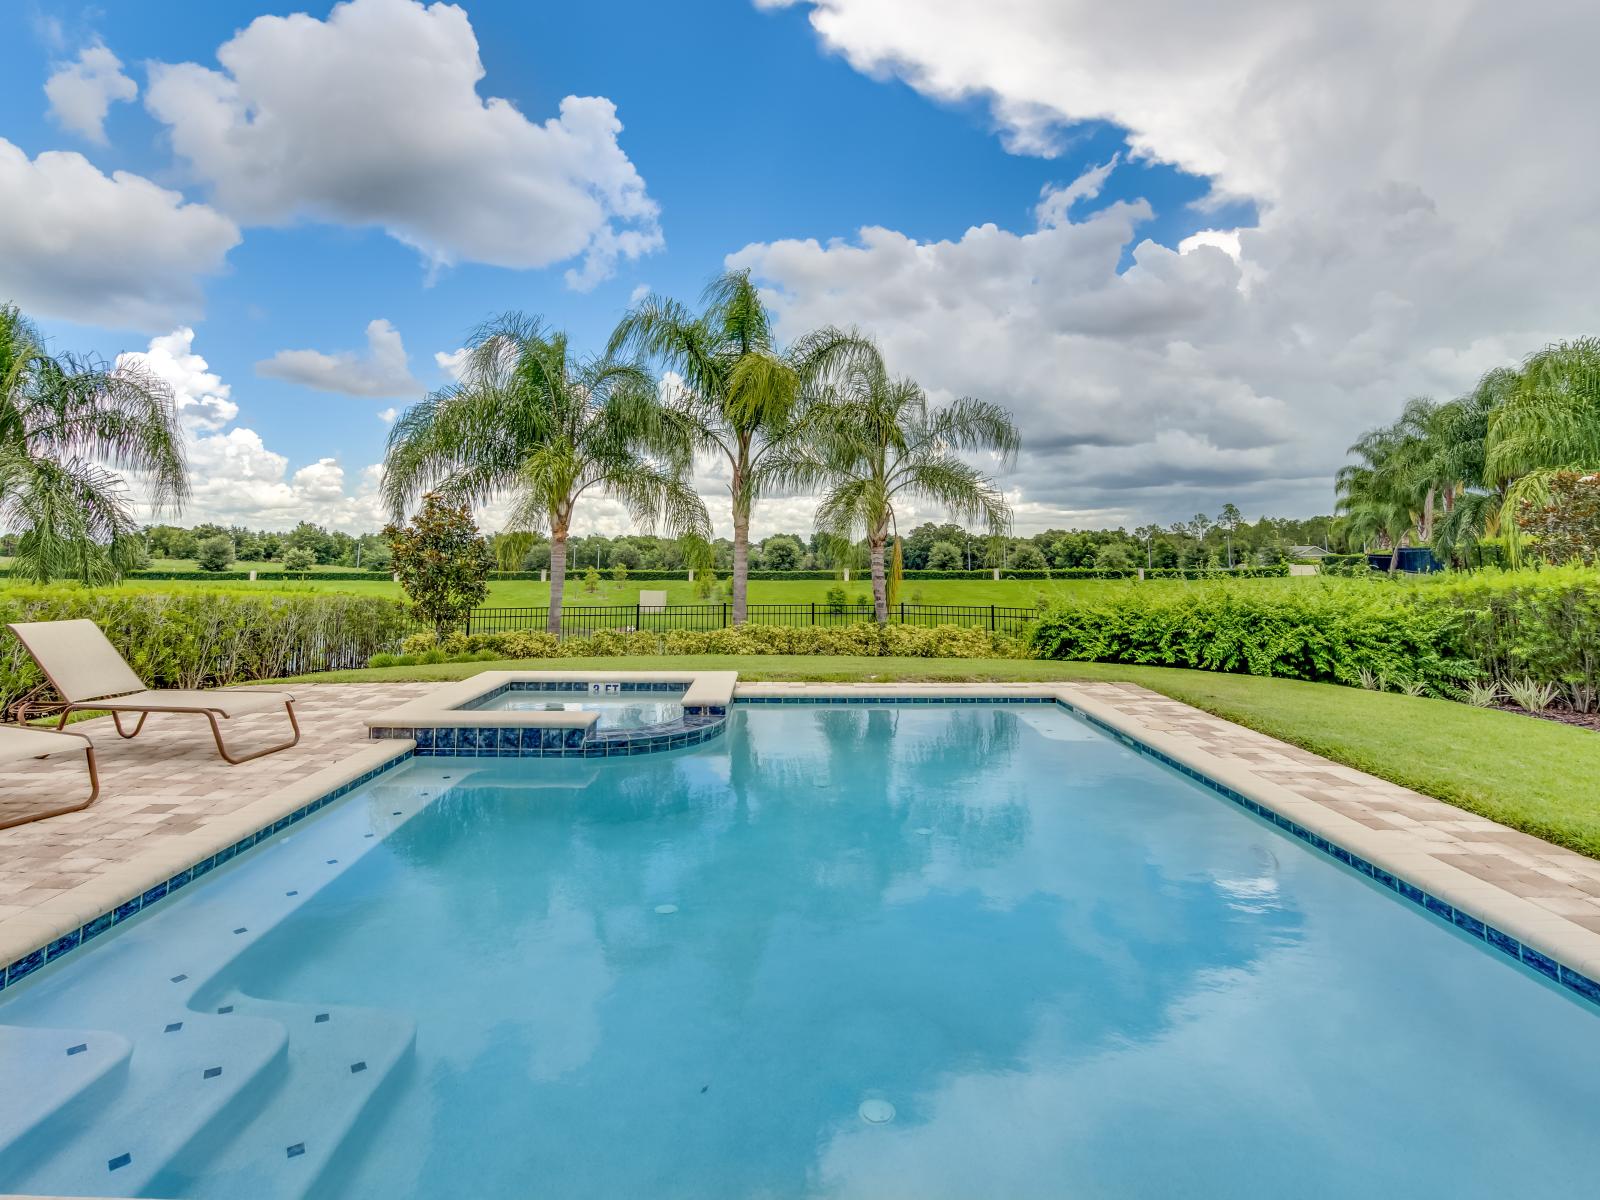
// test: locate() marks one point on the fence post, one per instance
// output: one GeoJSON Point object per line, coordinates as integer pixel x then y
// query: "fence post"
{"type": "Point", "coordinates": [638, 617]}
{"type": "Point", "coordinates": [724, 614]}
{"type": "Point", "coordinates": [813, 612]}
{"type": "Point", "coordinates": [902, 612]}
{"type": "Point", "coordinates": [991, 618]}
{"type": "Point", "coordinates": [469, 623]}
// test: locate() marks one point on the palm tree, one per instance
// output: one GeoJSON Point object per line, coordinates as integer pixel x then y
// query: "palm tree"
{"type": "Point", "coordinates": [1547, 421]}
{"type": "Point", "coordinates": [739, 392]}
{"type": "Point", "coordinates": [873, 439]}
{"type": "Point", "coordinates": [67, 425]}
{"type": "Point", "coordinates": [1380, 494]}
{"type": "Point", "coordinates": [530, 422]}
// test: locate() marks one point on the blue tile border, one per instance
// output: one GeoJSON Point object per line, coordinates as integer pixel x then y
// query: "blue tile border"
{"type": "Point", "coordinates": [67, 942]}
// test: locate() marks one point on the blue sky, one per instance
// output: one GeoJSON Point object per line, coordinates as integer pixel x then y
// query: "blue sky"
{"type": "Point", "coordinates": [748, 125]}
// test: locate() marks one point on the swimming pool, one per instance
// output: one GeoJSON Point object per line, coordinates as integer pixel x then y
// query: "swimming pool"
{"type": "Point", "coordinates": [899, 950]}
{"type": "Point", "coordinates": [626, 711]}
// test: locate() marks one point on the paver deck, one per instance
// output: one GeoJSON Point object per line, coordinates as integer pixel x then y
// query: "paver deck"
{"type": "Point", "coordinates": [168, 785]}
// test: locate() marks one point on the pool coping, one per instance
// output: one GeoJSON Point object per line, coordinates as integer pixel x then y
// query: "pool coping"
{"type": "Point", "coordinates": [447, 707]}
{"type": "Point", "coordinates": [1536, 937]}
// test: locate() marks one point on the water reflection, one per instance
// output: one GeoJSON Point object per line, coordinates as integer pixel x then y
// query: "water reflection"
{"type": "Point", "coordinates": [866, 898]}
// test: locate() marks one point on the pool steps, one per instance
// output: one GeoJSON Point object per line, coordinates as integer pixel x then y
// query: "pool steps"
{"type": "Point", "coordinates": [138, 1094]}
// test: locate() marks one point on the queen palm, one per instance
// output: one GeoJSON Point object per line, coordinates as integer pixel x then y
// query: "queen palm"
{"type": "Point", "coordinates": [874, 440]}
{"type": "Point", "coordinates": [531, 423]}
{"type": "Point", "coordinates": [738, 391]}
{"type": "Point", "coordinates": [67, 425]}
{"type": "Point", "coordinates": [1381, 494]}
{"type": "Point", "coordinates": [1547, 421]}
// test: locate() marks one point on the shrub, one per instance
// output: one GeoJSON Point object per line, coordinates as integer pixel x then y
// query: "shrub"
{"type": "Point", "coordinates": [1318, 633]}
{"type": "Point", "coordinates": [1437, 634]}
{"type": "Point", "coordinates": [297, 558]}
{"type": "Point", "coordinates": [215, 553]}
{"type": "Point", "coordinates": [195, 638]}
{"type": "Point", "coordinates": [442, 563]}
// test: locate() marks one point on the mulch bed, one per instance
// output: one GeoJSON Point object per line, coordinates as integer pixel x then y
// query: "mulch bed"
{"type": "Point", "coordinates": [1564, 716]}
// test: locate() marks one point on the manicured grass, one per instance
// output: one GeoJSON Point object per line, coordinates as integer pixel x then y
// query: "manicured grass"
{"type": "Point", "coordinates": [517, 593]}
{"type": "Point", "coordinates": [1537, 776]}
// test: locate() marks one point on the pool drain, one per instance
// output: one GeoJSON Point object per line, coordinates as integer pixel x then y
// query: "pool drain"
{"type": "Point", "coordinates": [876, 1112]}
{"type": "Point", "coordinates": [666, 910]}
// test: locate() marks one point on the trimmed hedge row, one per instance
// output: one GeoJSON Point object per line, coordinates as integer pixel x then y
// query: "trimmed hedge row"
{"type": "Point", "coordinates": [869, 640]}
{"type": "Point", "coordinates": [1429, 635]}
{"type": "Point", "coordinates": [197, 638]}
{"type": "Point", "coordinates": [1318, 633]}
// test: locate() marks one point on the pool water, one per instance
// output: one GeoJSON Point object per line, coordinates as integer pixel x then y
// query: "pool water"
{"type": "Point", "coordinates": [630, 710]}
{"type": "Point", "coordinates": [846, 951]}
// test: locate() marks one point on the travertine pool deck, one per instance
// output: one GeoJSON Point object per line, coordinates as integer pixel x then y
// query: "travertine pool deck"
{"type": "Point", "coordinates": [166, 795]}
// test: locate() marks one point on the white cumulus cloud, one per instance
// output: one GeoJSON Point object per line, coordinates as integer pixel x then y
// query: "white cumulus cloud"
{"type": "Point", "coordinates": [381, 371]}
{"type": "Point", "coordinates": [372, 117]}
{"type": "Point", "coordinates": [112, 250]}
{"type": "Point", "coordinates": [1423, 214]}
{"type": "Point", "coordinates": [81, 92]}
{"type": "Point", "coordinates": [234, 478]}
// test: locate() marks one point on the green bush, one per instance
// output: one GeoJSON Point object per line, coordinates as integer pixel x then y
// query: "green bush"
{"type": "Point", "coordinates": [1435, 633]}
{"type": "Point", "coordinates": [195, 638]}
{"type": "Point", "coordinates": [862, 639]}
{"type": "Point", "coordinates": [1313, 632]}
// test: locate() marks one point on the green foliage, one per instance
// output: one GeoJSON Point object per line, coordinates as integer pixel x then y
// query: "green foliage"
{"type": "Point", "coordinates": [195, 638]}
{"type": "Point", "coordinates": [619, 572]}
{"type": "Point", "coordinates": [215, 553]}
{"type": "Point", "coordinates": [1315, 633]}
{"type": "Point", "coordinates": [442, 563]}
{"type": "Point", "coordinates": [836, 600]}
{"type": "Point", "coordinates": [299, 558]}
{"type": "Point", "coordinates": [591, 579]}
{"type": "Point", "coordinates": [67, 424]}
{"type": "Point", "coordinates": [863, 639]}
{"type": "Point", "coordinates": [1565, 525]}
{"type": "Point", "coordinates": [1437, 635]}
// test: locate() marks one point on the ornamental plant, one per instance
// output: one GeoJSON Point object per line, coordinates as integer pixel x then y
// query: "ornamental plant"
{"type": "Point", "coordinates": [442, 562]}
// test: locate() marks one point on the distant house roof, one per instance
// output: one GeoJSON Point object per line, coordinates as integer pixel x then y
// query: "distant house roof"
{"type": "Point", "coordinates": [1307, 552]}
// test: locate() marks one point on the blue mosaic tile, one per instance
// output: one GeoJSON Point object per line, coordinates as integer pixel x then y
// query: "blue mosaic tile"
{"type": "Point", "coordinates": [98, 926]}
{"type": "Point", "coordinates": [24, 966]}
{"type": "Point", "coordinates": [153, 894]}
{"type": "Point", "coordinates": [67, 941]}
{"type": "Point", "coordinates": [1438, 907]}
{"type": "Point", "coordinates": [1582, 984]}
{"type": "Point", "coordinates": [1503, 942]}
{"type": "Point", "coordinates": [1545, 966]}
{"type": "Point", "coordinates": [124, 911]}
{"type": "Point", "coordinates": [1469, 923]}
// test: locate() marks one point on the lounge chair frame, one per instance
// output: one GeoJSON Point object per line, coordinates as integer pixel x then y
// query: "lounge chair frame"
{"type": "Point", "coordinates": [62, 810]}
{"type": "Point", "coordinates": [119, 702]}
{"type": "Point", "coordinates": [109, 704]}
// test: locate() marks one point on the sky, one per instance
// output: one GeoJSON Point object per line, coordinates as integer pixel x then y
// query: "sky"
{"type": "Point", "coordinates": [1195, 249]}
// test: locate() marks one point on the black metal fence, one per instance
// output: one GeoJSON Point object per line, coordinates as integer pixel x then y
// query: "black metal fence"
{"type": "Point", "coordinates": [583, 620]}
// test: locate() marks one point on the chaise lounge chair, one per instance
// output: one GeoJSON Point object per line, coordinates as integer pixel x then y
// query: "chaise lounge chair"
{"type": "Point", "coordinates": [88, 673]}
{"type": "Point", "coordinates": [17, 743]}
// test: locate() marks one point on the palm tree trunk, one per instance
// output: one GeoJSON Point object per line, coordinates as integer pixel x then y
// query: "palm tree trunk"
{"type": "Point", "coordinates": [880, 586]}
{"type": "Point", "coordinates": [741, 556]}
{"type": "Point", "coordinates": [1425, 528]}
{"type": "Point", "coordinates": [558, 573]}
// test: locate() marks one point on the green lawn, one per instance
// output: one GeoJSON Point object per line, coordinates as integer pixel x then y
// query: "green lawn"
{"type": "Point", "coordinates": [514, 593]}
{"type": "Point", "coordinates": [1537, 776]}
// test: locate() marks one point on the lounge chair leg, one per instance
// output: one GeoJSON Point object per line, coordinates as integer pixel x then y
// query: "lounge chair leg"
{"type": "Point", "coordinates": [222, 749]}
{"type": "Point", "coordinates": [116, 719]}
{"type": "Point", "coordinates": [94, 794]}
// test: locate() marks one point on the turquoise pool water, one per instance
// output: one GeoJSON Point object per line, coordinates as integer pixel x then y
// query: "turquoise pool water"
{"type": "Point", "coordinates": [628, 710]}
{"type": "Point", "coordinates": [909, 951]}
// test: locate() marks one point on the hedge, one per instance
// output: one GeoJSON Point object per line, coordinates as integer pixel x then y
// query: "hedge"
{"type": "Point", "coordinates": [869, 640]}
{"type": "Point", "coordinates": [1431, 635]}
{"type": "Point", "coordinates": [197, 638]}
